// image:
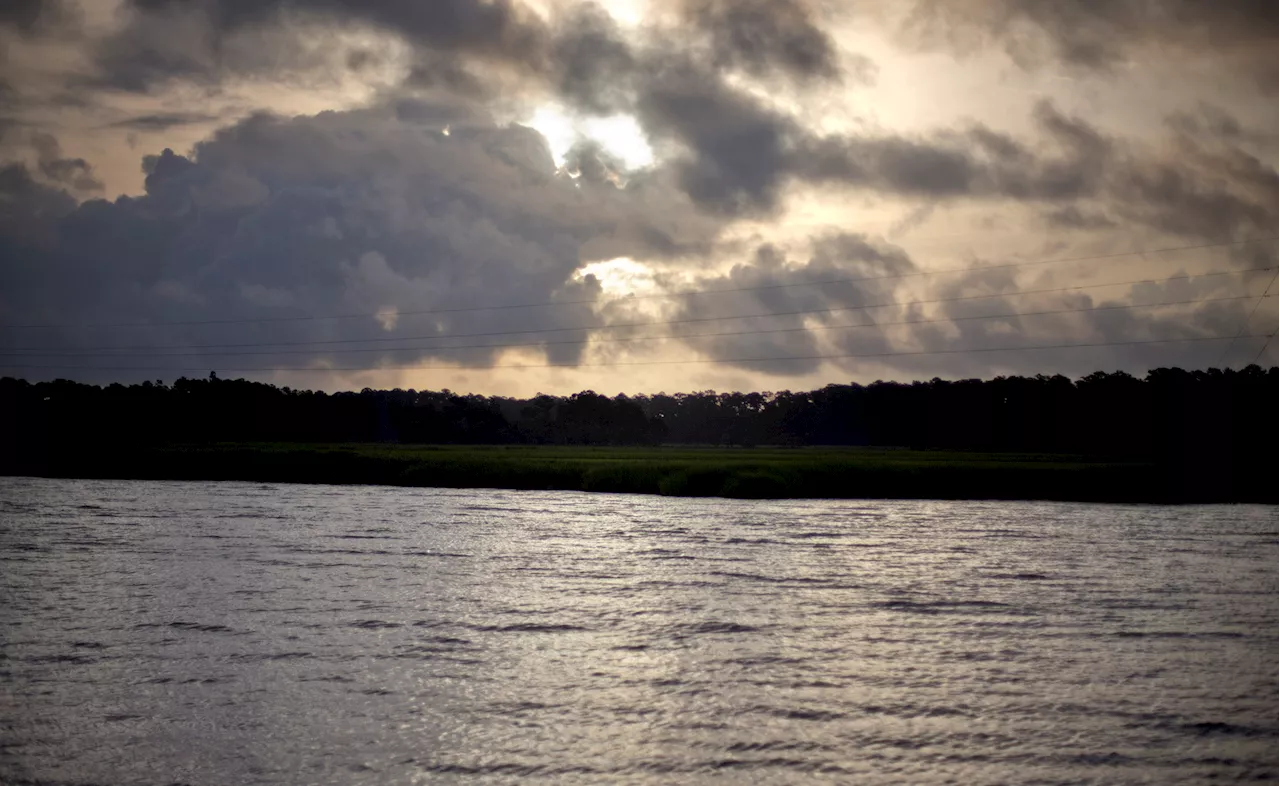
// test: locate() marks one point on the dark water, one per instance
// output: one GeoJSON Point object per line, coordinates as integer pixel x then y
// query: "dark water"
{"type": "Point", "coordinates": [237, 633]}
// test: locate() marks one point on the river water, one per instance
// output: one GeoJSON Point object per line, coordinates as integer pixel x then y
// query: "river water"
{"type": "Point", "coordinates": [226, 633]}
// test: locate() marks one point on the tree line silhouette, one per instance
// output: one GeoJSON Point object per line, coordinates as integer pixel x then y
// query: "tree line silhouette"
{"type": "Point", "coordinates": [1223, 412]}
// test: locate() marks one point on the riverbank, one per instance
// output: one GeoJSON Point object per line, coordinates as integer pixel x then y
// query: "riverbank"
{"type": "Point", "coordinates": [777, 473]}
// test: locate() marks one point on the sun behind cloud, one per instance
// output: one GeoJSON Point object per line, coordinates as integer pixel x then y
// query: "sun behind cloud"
{"type": "Point", "coordinates": [618, 135]}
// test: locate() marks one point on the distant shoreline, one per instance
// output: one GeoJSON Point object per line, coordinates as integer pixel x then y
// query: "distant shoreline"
{"type": "Point", "coordinates": [743, 473]}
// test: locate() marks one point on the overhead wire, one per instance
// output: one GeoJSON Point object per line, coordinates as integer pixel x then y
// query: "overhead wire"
{"type": "Point", "coordinates": [625, 325]}
{"type": "Point", "coordinates": [629, 339]}
{"type": "Point", "coordinates": [633, 298]}
{"type": "Point", "coordinates": [1245, 322]}
{"type": "Point", "coordinates": [1262, 348]}
{"type": "Point", "coordinates": [150, 351]}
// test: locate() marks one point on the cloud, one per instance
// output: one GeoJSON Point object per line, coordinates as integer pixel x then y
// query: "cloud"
{"type": "Point", "coordinates": [1073, 217]}
{"type": "Point", "coordinates": [376, 212]}
{"type": "Point", "coordinates": [171, 45]}
{"type": "Point", "coordinates": [769, 283]}
{"type": "Point", "coordinates": [164, 121]}
{"type": "Point", "coordinates": [208, 41]}
{"type": "Point", "coordinates": [35, 16]}
{"type": "Point", "coordinates": [1169, 198]}
{"type": "Point", "coordinates": [501, 29]}
{"type": "Point", "coordinates": [580, 42]}
{"type": "Point", "coordinates": [591, 163]}
{"type": "Point", "coordinates": [1187, 188]}
{"type": "Point", "coordinates": [897, 319]}
{"type": "Point", "coordinates": [977, 317]}
{"type": "Point", "coordinates": [732, 150]}
{"type": "Point", "coordinates": [1067, 163]}
{"type": "Point", "coordinates": [22, 14]}
{"type": "Point", "coordinates": [1102, 36]}
{"type": "Point", "coordinates": [593, 66]}
{"type": "Point", "coordinates": [1213, 125]}
{"type": "Point", "coordinates": [74, 173]}
{"type": "Point", "coordinates": [914, 219]}
{"type": "Point", "coordinates": [26, 204]}
{"type": "Point", "coordinates": [1210, 188]}
{"type": "Point", "coordinates": [762, 37]}
{"type": "Point", "coordinates": [422, 200]}
{"type": "Point", "coordinates": [361, 212]}
{"type": "Point", "coordinates": [673, 77]}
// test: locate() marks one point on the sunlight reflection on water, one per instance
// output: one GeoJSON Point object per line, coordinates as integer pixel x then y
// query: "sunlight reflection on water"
{"type": "Point", "coordinates": [224, 633]}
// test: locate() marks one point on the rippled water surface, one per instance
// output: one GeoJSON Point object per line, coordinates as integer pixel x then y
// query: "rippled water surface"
{"type": "Point", "coordinates": [219, 633]}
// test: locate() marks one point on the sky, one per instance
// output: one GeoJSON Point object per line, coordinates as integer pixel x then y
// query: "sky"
{"type": "Point", "coordinates": [508, 197]}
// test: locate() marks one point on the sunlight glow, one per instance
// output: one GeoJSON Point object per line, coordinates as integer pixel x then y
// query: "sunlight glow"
{"type": "Point", "coordinates": [627, 13]}
{"type": "Point", "coordinates": [620, 277]}
{"type": "Point", "coordinates": [619, 135]}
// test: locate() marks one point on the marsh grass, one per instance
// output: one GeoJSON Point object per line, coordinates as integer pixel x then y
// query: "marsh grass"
{"type": "Point", "coordinates": [761, 473]}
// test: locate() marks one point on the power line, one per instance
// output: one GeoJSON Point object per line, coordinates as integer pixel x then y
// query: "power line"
{"type": "Point", "coordinates": [633, 298]}
{"type": "Point", "coordinates": [1244, 324]}
{"type": "Point", "coordinates": [649, 323]}
{"type": "Point", "coordinates": [1262, 349]}
{"type": "Point", "coordinates": [646, 338]}
{"type": "Point", "coordinates": [612, 364]}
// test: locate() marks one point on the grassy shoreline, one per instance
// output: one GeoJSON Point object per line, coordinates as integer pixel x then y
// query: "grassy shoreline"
{"type": "Point", "coordinates": [773, 473]}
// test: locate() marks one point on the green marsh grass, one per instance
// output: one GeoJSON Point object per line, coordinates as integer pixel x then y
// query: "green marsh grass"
{"type": "Point", "coordinates": [769, 473]}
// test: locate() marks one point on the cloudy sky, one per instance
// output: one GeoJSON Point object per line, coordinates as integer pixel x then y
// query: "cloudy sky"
{"type": "Point", "coordinates": [500, 196]}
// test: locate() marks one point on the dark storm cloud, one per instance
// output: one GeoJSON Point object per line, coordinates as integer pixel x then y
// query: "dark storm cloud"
{"type": "Point", "coordinates": [592, 164]}
{"type": "Point", "coordinates": [977, 162]}
{"type": "Point", "coordinates": [443, 73]}
{"type": "Point", "coordinates": [593, 68]}
{"type": "Point", "coordinates": [1207, 120]}
{"type": "Point", "coordinates": [378, 210]}
{"type": "Point", "coordinates": [1101, 35]}
{"type": "Point", "coordinates": [22, 14]}
{"type": "Point", "coordinates": [164, 121]}
{"type": "Point", "coordinates": [990, 308]}
{"type": "Point", "coordinates": [1201, 186]}
{"type": "Point", "coordinates": [1210, 192]}
{"type": "Point", "coordinates": [206, 41]}
{"type": "Point", "coordinates": [731, 147]}
{"type": "Point", "coordinates": [901, 165]}
{"type": "Point", "coordinates": [345, 212]}
{"type": "Point", "coordinates": [818, 286]}
{"type": "Point", "coordinates": [901, 318]}
{"type": "Point", "coordinates": [1072, 217]}
{"type": "Point", "coordinates": [761, 37]}
{"type": "Point", "coordinates": [735, 148]}
{"type": "Point", "coordinates": [1213, 125]}
{"type": "Point", "coordinates": [73, 173]}
{"type": "Point", "coordinates": [26, 203]}
{"type": "Point", "coordinates": [502, 28]}
{"type": "Point", "coordinates": [179, 44]}
{"type": "Point", "coordinates": [582, 45]}
{"type": "Point", "coordinates": [35, 16]}
{"type": "Point", "coordinates": [731, 153]}
{"type": "Point", "coordinates": [43, 184]}
{"type": "Point", "coordinates": [1173, 200]}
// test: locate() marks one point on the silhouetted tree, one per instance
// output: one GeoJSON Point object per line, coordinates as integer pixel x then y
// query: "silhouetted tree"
{"type": "Point", "coordinates": [1215, 422]}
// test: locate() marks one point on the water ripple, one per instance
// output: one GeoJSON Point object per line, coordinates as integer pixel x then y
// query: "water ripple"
{"type": "Point", "coordinates": [211, 633]}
